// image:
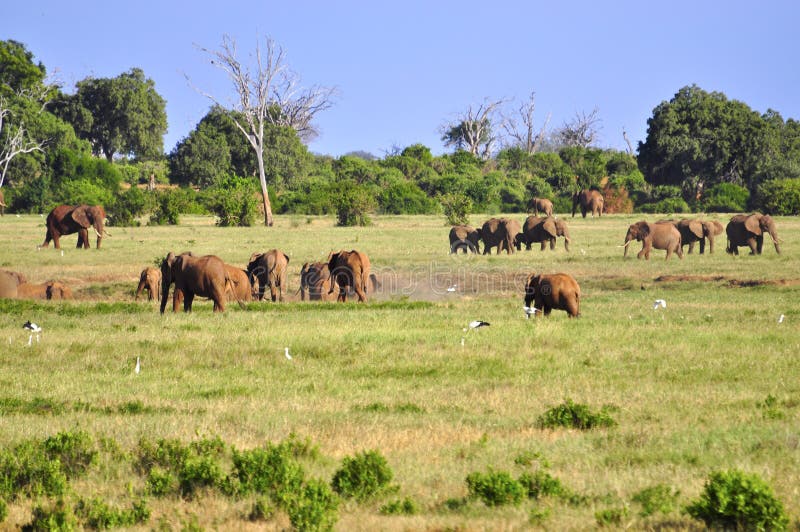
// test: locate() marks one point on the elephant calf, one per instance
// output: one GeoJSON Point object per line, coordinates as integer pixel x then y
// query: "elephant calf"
{"type": "Point", "coordinates": [149, 280]}
{"type": "Point", "coordinates": [315, 282]}
{"type": "Point", "coordinates": [659, 235]}
{"type": "Point", "coordinates": [239, 289]}
{"type": "Point", "coordinates": [558, 291]}
{"type": "Point", "coordinates": [270, 270]}
{"type": "Point", "coordinates": [464, 237]}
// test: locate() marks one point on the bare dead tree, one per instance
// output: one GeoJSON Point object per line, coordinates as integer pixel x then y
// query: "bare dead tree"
{"type": "Point", "coordinates": [472, 130]}
{"type": "Point", "coordinates": [582, 131]}
{"type": "Point", "coordinates": [627, 141]}
{"type": "Point", "coordinates": [17, 139]}
{"type": "Point", "coordinates": [520, 127]}
{"type": "Point", "coordinates": [267, 93]}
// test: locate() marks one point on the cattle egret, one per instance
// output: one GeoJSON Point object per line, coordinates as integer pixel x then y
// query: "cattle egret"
{"type": "Point", "coordinates": [530, 311]}
{"type": "Point", "coordinates": [478, 323]}
{"type": "Point", "coordinates": [780, 320]}
{"type": "Point", "coordinates": [452, 288]}
{"type": "Point", "coordinates": [62, 252]}
{"type": "Point", "coordinates": [583, 252]}
{"type": "Point", "coordinates": [462, 341]}
{"type": "Point", "coordinates": [659, 303]}
{"type": "Point", "coordinates": [138, 367]}
{"type": "Point", "coordinates": [34, 329]}
{"type": "Point", "coordinates": [286, 352]}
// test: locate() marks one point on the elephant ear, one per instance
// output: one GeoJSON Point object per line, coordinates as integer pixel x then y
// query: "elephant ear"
{"type": "Point", "coordinates": [254, 256]}
{"type": "Point", "coordinates": [644, 229]}
{"type": "Point", "coordinates": [549, 225]}
{"type": "Point", "coordinates": [285, 256]}
{"type": "Point", "coordinates": [696, 227]}
{"type": "Point", "coordinates": [752, 224]}
{"type": "Point", "coordinates": [81, 216]}
{"type": "Point", "coordinates": [713, 227]}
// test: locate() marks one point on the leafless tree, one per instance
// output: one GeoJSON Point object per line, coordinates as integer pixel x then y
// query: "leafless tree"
{"type": "Point", "coordinates": [17, 139]}
{"type": "Point", "coordinates": [472, 130]}
{"type": "Point", "coordinates": [520, 128]}
{"type": "Point", "coordinates": [582, 131]}
{"type": "Point", "coordinates": [268, 92]}
{"type": "Point", "coordinates": [627, 141]}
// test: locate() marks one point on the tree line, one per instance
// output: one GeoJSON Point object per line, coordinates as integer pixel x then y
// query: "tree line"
{"type": "Point", "coordinates": [103, 143]}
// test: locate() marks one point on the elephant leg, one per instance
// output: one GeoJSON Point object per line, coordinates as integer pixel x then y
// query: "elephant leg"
{"type": "Point", "coordinates": [759, 244]}
{"type": "Point", "coordinates": [643, 253]}
{"type": "Point", "coordinates": [177, 299]}
{"type": "Point", "coordinates": [710, 245]}
{"type": "Point", "coordinates": [542, 245]}
{"type": "Point", "coordinates": [56, 241]}
{"type": "Point", "coordinates": [751, 242]}
{"type": "Point", "coordinates": [187, 301]}
{"type": "Point", "coordinates": [342, 293]}
{"type": "Point", "coordinates": [552, 244]}
{"type": "Point", "coordinates": [273, 292]}
{"type": "Point", "coordinates": [83, 239]}
{"type": "Point", "coordinates": [691, 247]}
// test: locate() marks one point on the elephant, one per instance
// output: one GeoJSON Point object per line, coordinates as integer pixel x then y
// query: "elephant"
{"type": "Point", "coordinates": [590, 200]}
{"type": "Point", "coordinates": [748, 230]}
{"type": "Point", "coordinates": [500, 233]}
{"type": "Point", "coordinates": [149, 279]}
{"type": "Point", "coordinates": [349, 269]}
{"type": "Point", "coordinates": [270, 270]}
{"type": "Point", "coordinates": [660, 235]}
{"type": "Point", "coordinates": [542, 205]}
{"type": "Point", "coordinates": [20, 277]}
{"type": "Point", "coordinates": [203, 276]}
{"type": "Point", "coordinates": [464, 237]}
{"type": "Point", "coordinates": [543, 230]}
{"type": "Point", "coordinates": [9, 282]}
{"type": "Point", "coordinates": [65, 220]}
{"type": "Point", "coordinates": [48, 290]}
{"type": "Point", "coordinates": [240, 288]}
{"type": "Point", "coordinates": [698, 231]}
{"type": "Point", "coordinates": [315, 282]}
{"type": "Point", "coordinates": [558, 291]}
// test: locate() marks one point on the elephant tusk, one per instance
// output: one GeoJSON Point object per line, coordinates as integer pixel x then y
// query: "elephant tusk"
{"type": "Point", "coordinates": [97, 232]}
{"type": "Point", "coordinates": [626, 244]}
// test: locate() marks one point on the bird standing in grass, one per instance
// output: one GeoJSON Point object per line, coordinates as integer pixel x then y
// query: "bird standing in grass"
{"type": "Point", "coordinates": [34, 329]}
{"type": "Point", "coordinates": [138, 367]}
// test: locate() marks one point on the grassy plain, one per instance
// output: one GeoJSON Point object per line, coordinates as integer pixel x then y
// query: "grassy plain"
{"type": "Point", "coordinates": [687, 384]}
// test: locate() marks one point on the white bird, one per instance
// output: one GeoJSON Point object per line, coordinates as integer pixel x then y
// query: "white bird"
{"type": "Point", "coordinates": [286, 352]}
{"type": "Point", "coordinates": [478, 323]}
{"type": "Point", "coordinates": [780, 320]}
{"type": "Point", "coordinates": [452, 288]}
{"type": "Point", "coordinates": [62, 252]}
{"type": "Point", "coordinates": [659, 303]}
{"type": "Point", "coordinates": [462, 341]}
{"type": "Point", "coordinates": [530, 311]}
{"type": "Point", "coordinates": [138, 367]}
{"type": "Point", "coordinates": [583, 252]}
{"type": "Point", "coordinates": [34, 329]}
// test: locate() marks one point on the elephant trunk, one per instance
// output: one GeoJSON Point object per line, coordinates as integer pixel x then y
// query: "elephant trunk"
{"type": "Point", "coordinates": [567, 240]}
{"type": "Point", "coordinates": [776, 241]}
{"type": "Point", "coordinates": [628, 240]}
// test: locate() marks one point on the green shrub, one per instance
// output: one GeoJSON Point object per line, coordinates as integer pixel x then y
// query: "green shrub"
{"type": "Point", "coordinates": [161, 483]}
{"type": "Point", "coordinates": [495, 488]}
{"type": "Point", "coordinates": [575, 415]}
{"type": "Point", "coordinates": [171, 203]}
{"type": "Point", "coordinates": [405, 197]}
{"type": "Point", "coordinates": [537, 516]}
{"type": "Point", "coordinates": [542, 484]}
{"type": "Point", "coordinates": [3, 510]}
{"type": "Point", "coordinates": [129, 205]}
{"type": "Point", "coordinates": [79, 191]}
{"type": "Point", "coordinates": [405, 506]}
{"type": "Point", "coordinates": [665, 206]}
{"type": "Point", "coordinates": [658, 498]}
{"type": "Point", "coordinates": [726, 197]}
{"type": "Point", "coordinates": [362, 476]}
{"type": "Point", "coordinates": [778, 197]}
{"type": "Point", "coordinates": [313, 507]}
{"type": "Point", "coordinates": [74, 450]}
{"type": "Point", "coordinates": [57, 518]}
{"type": "Point", "coordinates": [456, 208]}
{"type": "Point", "coordinates": [199, 472]}
{"type": "Point", "coordinates": [737, 500]}
{"type": "Point", "coordinates": [300, 448]}
{"type": "Point", "coordinates": [611, 516]}
{"type": "Point", "coordinates": [234, 200]}
{"type": "Point", "coordinates": [352, 202]}
{"type": "Point", "coordinates": [169, 454]}
{"type": "Point", "coordinates": [98, 515]}
{"type": "Point", "coordinates": [261, 510]}
{"type": "Point", "coordinates": [270, 471]}
{"type": "Point", "coordinates": [27, 470]}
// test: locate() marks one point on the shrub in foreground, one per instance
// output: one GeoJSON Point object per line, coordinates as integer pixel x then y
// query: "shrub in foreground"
{"type": "Point", "coordinates": [362, 476]}
{"type": "Point", "coordinates": [495, 488]}
{"type": "Point", "coordinates": [734, 500]}
{"type": "Point", "coordinates": [575, 415]}
{"type": "Point", "coordinates": [313, 507]}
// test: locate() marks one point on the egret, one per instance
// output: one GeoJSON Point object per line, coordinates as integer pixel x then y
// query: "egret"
{"type": "Point", "coordinates": [530, 311]}
{"type": "Point", "coordinates": [452, 288]}
{"type": "Point", "coordinates": [286, 352]}
{"type": "Point", "coordinates": [659, 303]}
{"type": "Point", "coordinates": [138, 367]}
{"type": "Point", "coordinates": [780, 319]}
{"type": "Point", "coordinates": [478, 323]}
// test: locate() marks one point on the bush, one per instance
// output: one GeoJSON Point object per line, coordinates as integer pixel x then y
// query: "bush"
{"type": "Point", "coordinates": [74, 450]}
{"type": "Point", "coordinates": [542, 484]}
{"type": "Point", "coordinates": [98, 515]}
{"type": "Point", "coordinates": [270, 471]}
{"type": "Point", "coordinates": [495, 488]}
{"type": "Point", "coordinates": [405, 197]}
{"type": "Point", "coordinates": [3, 510]}
{"type": "Point", "coordinates": [657, 498]}
{"type": "Point", "coordinates": [778, 197]}
{"type": "Point", "coordinates": [171, 203]}
{"type": "Point", "coordinates": [726, 197]}
{"type": "Point", "coordinates": [362, 476]}
{"type": "Point", "coordinates": [611, 516]}
{"type": "Point", "coordinates": [58, 517]}
{"type": "Point", "coordinates": [261, 510]}
{"type": "Point", "coordinates": [199, 472]}
{"type": "Point", "coordinates": [737, 500]}
{"type": "Point", "coordinates": [128, 206]}
{"type": "Point", "coordinates": [161, 483]}
{"type": "Point", "coordinates": [234, 201]}
{"type": "Point", "coordinates": [80, 191]}
{"type": "Point", "coordinates": [405, 506]}
{"type": "Point", "coordinates": [574, 415]}
{"type": "Point", "coordinates": [352, 202]}
{"type": "Point", "coordinates": [456, 208]}
{"type": "Point", "coordinates": [313, 507]}
{"type": "Point", "coordinates": [666, 206]}
{"type": "Point", "coordinates": [27, 470]}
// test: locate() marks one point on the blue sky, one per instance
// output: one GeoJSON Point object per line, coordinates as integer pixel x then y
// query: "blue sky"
{"type": "Point", "coordinates": [404, 68]}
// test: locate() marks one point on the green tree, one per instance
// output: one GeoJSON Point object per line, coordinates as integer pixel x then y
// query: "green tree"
{"type": "Point", "coordinates": [17, 69]}
{"type": "Point", "coordinates": [128, 115]}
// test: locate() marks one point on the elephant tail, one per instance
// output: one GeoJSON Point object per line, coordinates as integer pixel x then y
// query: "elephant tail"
{"type": "Point", "coordinates": [229, 287]}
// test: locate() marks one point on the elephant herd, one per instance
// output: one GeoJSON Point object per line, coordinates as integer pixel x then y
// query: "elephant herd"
{"type": "Point", "coordinates": [14, 285]}
{"type": "Point", "coordinates": [668, 235]}
{"type": "Point", "coordinates": [208, 276]}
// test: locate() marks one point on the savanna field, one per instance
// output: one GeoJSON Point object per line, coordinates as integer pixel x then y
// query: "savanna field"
{"type": "Point", "coordinates": [710, 382]}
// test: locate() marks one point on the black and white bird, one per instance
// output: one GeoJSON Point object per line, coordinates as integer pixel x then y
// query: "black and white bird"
{"type": "Point", "coordinates": [34, 329]}
{"type": "Point", "coordinates": [659, 303]}
{"type": "Point", "coordinates": [476, 324]}
{"type": "Point", "coordinates": [530, 311]}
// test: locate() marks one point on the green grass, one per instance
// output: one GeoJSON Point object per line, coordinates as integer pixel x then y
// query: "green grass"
{"type": "Point", "coordinates": [686, 385]}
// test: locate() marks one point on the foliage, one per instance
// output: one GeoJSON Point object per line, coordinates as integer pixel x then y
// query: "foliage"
{"type": "Point", "coordinates": [362, 476]}
{"type": "Point", "coordinates": [495, 488]}
{"type": "Point", "coordinates": [542, 484]}
{"type": "Point", "coordinates": [57, 517]}
{"type": "Point", "coordinates": [658, 498]}
{"type": "Point", "coordinates": [726, 197]}
{"type": "Point", "coordinates": [737, 500]}
{"type": "Point", "coordinates": [261, 510]}
{"type": "Point", "coordinates": [575, 415]}
{"type": "Point", "coordinates": [75, 451]}
{"type": "Point", "coordinates": [313, 507]}
{"type": "Point", "coordinates": [28, 470]}
{"type": "Point", "coordinates": [405, 506]}
{"type": "Point", "coordinates": [778, 197]}
{"type": "Point", "coordinates": [405, 197]}
{"type": "Point", "coordinates": [234, 200]}
{"type": "Point", "coordinates": [611, 516]}
{"type": "Point", "coordinates": [352, 202]}
{"type": "Point", "coordinates": [456, 207]}
{"type": "Point", "coordinates": [171, 203]}
{"type": "Point", "coordinates": [98, 515]}
{"type": "Point", "coordinates": [129, 205]}
{"type": "Point", "coordinates": [666, 206]}
{"type": "Point", "coordinates": [271, 471]}
{"type": "Point", "coordinates": [3, 510]}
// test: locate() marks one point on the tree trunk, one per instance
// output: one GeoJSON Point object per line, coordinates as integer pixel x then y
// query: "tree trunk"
{"type": "Point", "coordinates": [264, 192]}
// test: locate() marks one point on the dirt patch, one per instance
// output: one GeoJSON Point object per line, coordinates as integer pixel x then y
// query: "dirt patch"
{"type": "Point", "coordinates": [742, 283]}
